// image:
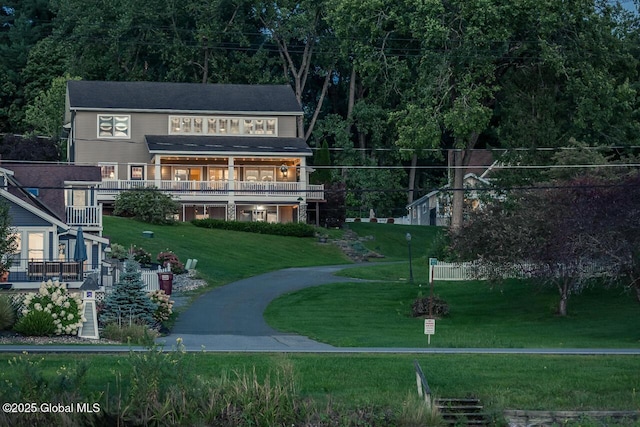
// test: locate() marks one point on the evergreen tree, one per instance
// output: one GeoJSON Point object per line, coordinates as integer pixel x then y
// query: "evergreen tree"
{"type": "Point", "coordinates": [128, 303]}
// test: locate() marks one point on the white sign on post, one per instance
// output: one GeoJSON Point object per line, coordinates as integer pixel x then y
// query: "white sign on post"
{"type": "Point", "coordinates": [429, 328]}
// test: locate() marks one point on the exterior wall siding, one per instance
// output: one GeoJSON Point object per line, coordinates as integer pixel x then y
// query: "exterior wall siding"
{"type": "Point", "coordinates": [90, 149]}
{"type": "Point", "coordinates": [20, 217]}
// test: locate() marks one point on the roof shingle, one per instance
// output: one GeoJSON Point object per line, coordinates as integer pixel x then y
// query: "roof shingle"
{"type": "Point", "coordinates": [182, 97]}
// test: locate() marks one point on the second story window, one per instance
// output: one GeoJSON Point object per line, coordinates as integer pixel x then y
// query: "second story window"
{"type": "Point", "coordinates": [195, 125]}
{"type": "Point", "coordinates": [108, 171]}
{"type": "Point", "coordinates": [113, 126]}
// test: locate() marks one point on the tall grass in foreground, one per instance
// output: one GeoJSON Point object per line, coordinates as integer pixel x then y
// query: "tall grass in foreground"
{"type": "Point", "coordinates": [166, 389]}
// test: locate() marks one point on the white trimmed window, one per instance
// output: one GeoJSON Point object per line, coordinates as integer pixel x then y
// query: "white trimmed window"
{"type": "Point", "coordinates": [108, 171]}
{"type": "Point", "coordinates": [114, 126]}
{"type": "Point", "coordinates": [248, 126]}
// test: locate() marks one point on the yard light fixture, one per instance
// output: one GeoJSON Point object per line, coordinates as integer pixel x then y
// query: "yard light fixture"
{"type": "Point", "coordinates": [408, 236]}
{"type": "Point", "coordinates": [285, 170]}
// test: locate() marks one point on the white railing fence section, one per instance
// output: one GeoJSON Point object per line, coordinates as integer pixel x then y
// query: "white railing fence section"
{"type": "Point", "coordinates": [453, 271]}
{"type": "Point", "coordinates": [149, 277]}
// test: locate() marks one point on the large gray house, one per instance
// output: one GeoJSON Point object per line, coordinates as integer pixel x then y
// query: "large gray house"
{"type": "Point", "coordinates": [223, 151]}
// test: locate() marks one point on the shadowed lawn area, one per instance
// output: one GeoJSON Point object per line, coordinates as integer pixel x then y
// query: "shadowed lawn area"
{"type": "Point", "coordinates": [390, 239]}
{"type": "Point", "coordinates": [515, 314]}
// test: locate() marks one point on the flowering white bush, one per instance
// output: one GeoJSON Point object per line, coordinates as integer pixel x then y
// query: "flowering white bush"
{"type": "Point", "coordinates": [66, 310]}
{"type": "Point", "coordinates": [164, 305]}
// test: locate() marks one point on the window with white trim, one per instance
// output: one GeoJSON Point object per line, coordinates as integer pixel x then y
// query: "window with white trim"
{"type": "Point", "coordinates": [114, 126]}
{"type": "Point", "coordinates": [108, 171]}
{"type": "Point", "coordinates": [248, 126]}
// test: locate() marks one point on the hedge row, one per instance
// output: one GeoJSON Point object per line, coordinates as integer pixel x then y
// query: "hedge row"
{"type": "Point", "coordinates": [291, 229]}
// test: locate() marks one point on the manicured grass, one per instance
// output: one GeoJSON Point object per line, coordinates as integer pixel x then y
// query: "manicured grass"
{"type": "Point", "coordinates": [516, 314]}
{"type": "Point", "coordinates": [501, 381]}
{"type": "Point", "coordinates": [224, 256]}
{"type": "Point", "coordinates": [390, 239]}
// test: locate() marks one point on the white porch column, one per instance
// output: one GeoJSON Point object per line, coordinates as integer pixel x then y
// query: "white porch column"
{"type": "Point", "coordinates": [232, 178]}
{"type": "Point", "coordinates": [303, 182]}
{"type": "Point", "coordinates": [158, 172]}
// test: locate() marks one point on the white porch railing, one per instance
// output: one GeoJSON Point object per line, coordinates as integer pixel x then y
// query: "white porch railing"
{"type": "Point", "coordinates": [89, 216]}
{"type": "Point", "coordinates": [218, 188]}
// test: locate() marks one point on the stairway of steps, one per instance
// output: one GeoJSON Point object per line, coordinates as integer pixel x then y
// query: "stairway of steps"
{"type": "Point", "coordinates": [462, 412]}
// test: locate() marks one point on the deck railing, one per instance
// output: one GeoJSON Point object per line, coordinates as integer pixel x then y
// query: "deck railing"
{"type": "Point", "coordinates": [269, 189]}
{"type": "Point", "coordinates": [88, 216]}
{"type": "Point", "coordinates": [38, 270]}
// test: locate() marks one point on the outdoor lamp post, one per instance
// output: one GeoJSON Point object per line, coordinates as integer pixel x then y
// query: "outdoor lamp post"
{"type": "Point", "coordinates": [410, 266]}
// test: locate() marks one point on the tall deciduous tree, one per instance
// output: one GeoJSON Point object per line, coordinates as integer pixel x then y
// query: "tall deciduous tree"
{"type": "Point", "coordinates": [298, 29]}
{"type": "Point", "coordinates": [22, 24]}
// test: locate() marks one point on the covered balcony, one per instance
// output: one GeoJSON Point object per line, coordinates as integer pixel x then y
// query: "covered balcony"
{"type": "Point", "coordinates": [218, 190]}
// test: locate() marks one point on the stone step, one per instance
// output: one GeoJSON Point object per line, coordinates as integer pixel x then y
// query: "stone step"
{"type": "Point", "coordinates": [462, 411]}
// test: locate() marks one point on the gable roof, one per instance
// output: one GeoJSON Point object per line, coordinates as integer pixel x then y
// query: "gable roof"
{"type": "Point", "coordinates": [468, 178]}
{"type": "Point", "coordinates": [50, 179]}
{"type": "Point", "coordinates": [181, 97]}
{"type": "Point", "coordinates": [226, 144]}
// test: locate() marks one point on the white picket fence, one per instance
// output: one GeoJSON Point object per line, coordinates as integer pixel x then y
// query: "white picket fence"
{"type": "Point", "coordinates": [457, 271]}
{"type": "Point", "coordinates": [452, 271]}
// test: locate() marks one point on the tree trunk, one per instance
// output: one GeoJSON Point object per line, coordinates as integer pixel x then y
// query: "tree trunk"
{"type": "Point", "coordinates": [412, 178]}
{"type": "Point", "coordinates": [564, 297]}
{"type": "Point", "coordinates": [461, 161]}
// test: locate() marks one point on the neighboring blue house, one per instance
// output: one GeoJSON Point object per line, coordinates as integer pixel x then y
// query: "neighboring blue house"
{"type": "Point", "coordinates": [49, 206]}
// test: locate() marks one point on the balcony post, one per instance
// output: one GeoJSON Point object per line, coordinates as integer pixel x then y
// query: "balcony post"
{"type": "Point", "coordinates": [232, 179]}
{"type": "Point", "coordinates": [303, 186]}
{"type": "Point", "coordinates": [158, 172]}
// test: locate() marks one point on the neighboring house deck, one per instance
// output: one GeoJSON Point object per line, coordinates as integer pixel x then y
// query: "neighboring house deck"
{"type": "Point", "coordinates": [223, 151]}
{"type": "Point", "coordinates": [50, 206]}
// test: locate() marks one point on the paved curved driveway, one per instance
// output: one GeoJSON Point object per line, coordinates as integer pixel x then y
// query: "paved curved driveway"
{"type": "Point", "coordinates": [231, 317]}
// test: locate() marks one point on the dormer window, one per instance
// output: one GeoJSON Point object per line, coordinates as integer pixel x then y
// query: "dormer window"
{"type": "Point", "coordinates": [114, 126]}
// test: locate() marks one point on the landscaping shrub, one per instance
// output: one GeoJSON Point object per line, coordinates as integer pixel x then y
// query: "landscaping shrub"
{"type": "Point", "coordinates": [134, 334]}
{"type": "Point", "coordinates": [36, 323]}
{"type": "Point", "coordinates": [420, 307]}
{"type": "Point", "coordinates": [146, 204]}
{"type": "Point", "coordinates": [164, 305]}
{"type": "Point", "coordinates": [7, 313]}
{"type": "Point", "coordinates": [141, 256]}
{"type": "Point", "coordinates": [118, 251]}
{"type": "Point", "coordinates": [169, 257]}
{"type": "Point", "coordinates": [292, 229]}
{"type": "Point", "coordinates": [63, 310]}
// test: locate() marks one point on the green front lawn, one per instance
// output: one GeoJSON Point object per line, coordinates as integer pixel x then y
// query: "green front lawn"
{"type": "Point", "coordinates": [224, 256]}
{"type": "Point", "coordinates": [378, 314]}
